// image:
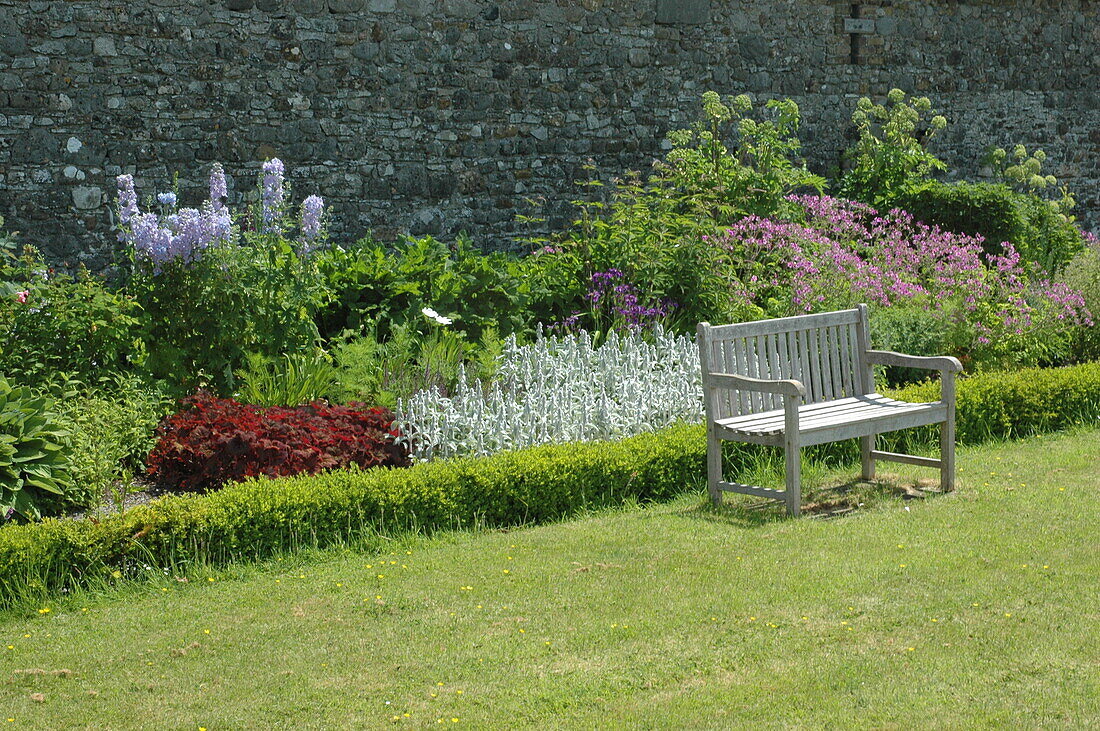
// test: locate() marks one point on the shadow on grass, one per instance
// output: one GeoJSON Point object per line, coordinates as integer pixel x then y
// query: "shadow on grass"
{"type": "Point", "coordinates": [821, 503]}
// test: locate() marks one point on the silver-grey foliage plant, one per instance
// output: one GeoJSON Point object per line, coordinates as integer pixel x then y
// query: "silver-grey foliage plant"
{"type": "Point", "coordinates": [560, 389]}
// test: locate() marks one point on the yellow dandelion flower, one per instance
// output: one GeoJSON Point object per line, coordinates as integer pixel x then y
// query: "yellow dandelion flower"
{"type": "Point", "coordinates": [210, 578]}
{"type": "Point", "coordinates": [206, 631]}
{"type": "Point", "coordinates": [911, 649]}
{"type": "Point", "coordinates": [507, 571]}
{"type": "Point", "coordinates": [44, 610]}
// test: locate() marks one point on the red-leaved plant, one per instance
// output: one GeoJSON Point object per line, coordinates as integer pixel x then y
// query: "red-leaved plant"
{"type": "Point", "coordinates": [215, 441]}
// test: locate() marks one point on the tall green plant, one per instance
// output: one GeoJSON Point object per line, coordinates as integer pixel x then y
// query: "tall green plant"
{"type": "Point", "coordinates": [891, 151]}
{"type": "Point", "coordinates": [214, 290]}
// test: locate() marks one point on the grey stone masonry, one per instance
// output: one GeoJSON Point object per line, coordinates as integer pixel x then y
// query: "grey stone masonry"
{"type": "Point", "coordinates": [441, 116]}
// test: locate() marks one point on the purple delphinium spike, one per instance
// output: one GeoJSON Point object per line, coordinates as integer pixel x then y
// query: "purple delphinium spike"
{"type": "Point", "coordinates": [168, 200]}
{"type": "Point", "coordinates": [272, 194]}
{"type": "Point", "coordinates": [218, 190]}
{"type": "Point", "coordinates": [313, 210]}
{"type": "Point", "coordinates": [127, 198]}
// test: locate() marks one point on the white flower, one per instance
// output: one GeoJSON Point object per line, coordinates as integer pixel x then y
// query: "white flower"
{"type": "Point", "coordinates": [433, 315]}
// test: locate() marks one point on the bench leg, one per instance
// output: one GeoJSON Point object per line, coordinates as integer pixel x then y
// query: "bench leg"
{"type": "Point", "coordinates": [714, 466]}
{"type": "Point", "coordinates": [866, 444]}
{"type": "Point", "coordinates": [947, 453]}
{"type": "Point", "coordinates": [792, 446]}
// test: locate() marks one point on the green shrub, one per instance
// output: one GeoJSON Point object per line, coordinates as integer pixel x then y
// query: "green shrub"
{"type": "Point", "coordinates": [112, 432]}
{"type": "Point", "coordinates": [51, 322]}
{"type": "Point", "coordinates": [992, 211]}
{"type": "Point", "coordinates": [889, 154]}
{"type": "Point", "coordinates": [1082, 275]}
{"type": "Point", "coordinates": [1020, 403]}
{"type": "Point", "coordinates": [259, 517]}
{"type": "Point", "coordinates": [34, 450]}
{"type": "Point", "coordinates": [998, 214]}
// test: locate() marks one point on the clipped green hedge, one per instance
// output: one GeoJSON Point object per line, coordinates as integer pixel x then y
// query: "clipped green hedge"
{"type": "Point", "coordinates": [259, 517]}
{"type": "Point", "coordinates": [1020, 403]}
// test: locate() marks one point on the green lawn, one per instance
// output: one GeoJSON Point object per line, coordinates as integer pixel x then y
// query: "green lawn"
{"type": "Point", "coordinates": [980, 608]}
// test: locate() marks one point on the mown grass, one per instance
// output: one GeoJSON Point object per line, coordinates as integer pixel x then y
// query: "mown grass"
{"type": "Point", "coordinates": [978, 608]}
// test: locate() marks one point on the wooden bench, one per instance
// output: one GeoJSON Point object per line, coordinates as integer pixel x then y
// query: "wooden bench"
{"type": "Point", "coordinates": [797, 381]}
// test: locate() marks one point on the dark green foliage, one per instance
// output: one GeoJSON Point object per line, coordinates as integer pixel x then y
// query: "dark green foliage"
{"type": "Point", "coordinates": [259, 517]}
{"type": "Point", "coordinates": [374, 289]}
{"type": "Point", "coordinates": [989, 210]}
{"type": "Point", "coordinates": [53, 323]}
{"type": "Point", "coordinates": [998, 214]}
{"type": "Point", "coordinates": [201, 318]}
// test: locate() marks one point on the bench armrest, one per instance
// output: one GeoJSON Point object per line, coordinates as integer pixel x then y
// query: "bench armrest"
{"type": "Point", "coordinates": [745, 383]}
{"type": "Point", "coordinates": [933, 363]}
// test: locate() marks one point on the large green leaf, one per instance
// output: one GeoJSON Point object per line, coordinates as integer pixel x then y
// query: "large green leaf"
{"type": "Point", "coordinates": [25, 506]}
{"type": "Point", "coordinates": [44, 483]}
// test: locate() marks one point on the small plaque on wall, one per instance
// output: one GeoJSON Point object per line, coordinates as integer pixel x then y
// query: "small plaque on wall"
{"type": "Point", "coordinates": [683, 12]}
{"type": "Point", "coordinates": [859, 25]}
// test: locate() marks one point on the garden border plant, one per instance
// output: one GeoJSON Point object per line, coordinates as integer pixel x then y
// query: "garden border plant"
{"type": "Point", "coordinates": [261, 517]}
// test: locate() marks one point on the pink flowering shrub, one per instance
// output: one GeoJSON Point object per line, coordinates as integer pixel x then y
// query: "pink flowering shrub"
{"type": "Point", "coordinates": [988, 308]}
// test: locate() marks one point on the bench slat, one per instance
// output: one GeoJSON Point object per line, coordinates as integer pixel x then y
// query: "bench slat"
{"type": "Point", "coordinates": [785, 324]}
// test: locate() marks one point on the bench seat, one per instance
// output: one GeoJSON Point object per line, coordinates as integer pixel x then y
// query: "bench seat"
{"type": "Point", "coordinates": [831, 421]}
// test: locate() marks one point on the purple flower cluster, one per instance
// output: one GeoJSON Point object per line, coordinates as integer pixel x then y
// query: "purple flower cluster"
{"type": "Point", "coordinates": [847, 252]}
{"type": "Point", "coordinates": [313, 211]}
{"type": "Point", "coordinates": [611, 296]}
{"type": "Point", "coordinates": [183, 235]}
{"type": "Point", "coordinates": [272, 194]}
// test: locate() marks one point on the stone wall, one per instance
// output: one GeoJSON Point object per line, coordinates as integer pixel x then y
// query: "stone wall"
{"type": "Point", "coordinates": [435, 116]}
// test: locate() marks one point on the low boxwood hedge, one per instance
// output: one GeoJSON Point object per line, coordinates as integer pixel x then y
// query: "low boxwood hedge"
{"type": "Point", "coordinates": [259, 517]}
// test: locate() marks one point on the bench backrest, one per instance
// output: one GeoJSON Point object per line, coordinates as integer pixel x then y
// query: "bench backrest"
{"type": "Point", "coordinates": [824, 352]}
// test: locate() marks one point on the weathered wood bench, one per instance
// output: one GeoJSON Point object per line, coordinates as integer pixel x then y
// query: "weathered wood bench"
{"type": "Point", "coordinates": [797, 381]}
